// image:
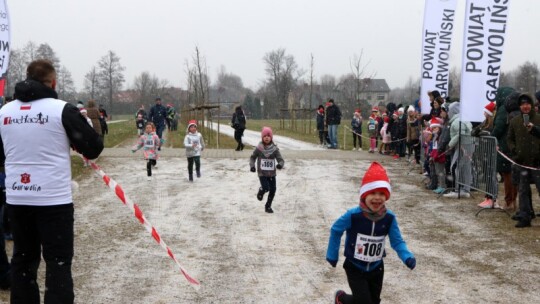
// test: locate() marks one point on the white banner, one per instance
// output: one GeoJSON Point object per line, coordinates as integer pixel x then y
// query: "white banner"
{"type": "Point", "coordinates": [4, 44]}
{"type": "Point", "coordinates": [483, 44]}
{"type": "Point", "coordinates": [436, 41]}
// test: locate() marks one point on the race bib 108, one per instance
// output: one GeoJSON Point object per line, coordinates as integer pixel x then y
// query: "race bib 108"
{"type": "Point", "coordinates": [369, 248]}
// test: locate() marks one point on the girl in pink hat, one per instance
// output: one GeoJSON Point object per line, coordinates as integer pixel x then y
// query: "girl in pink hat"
{"type": "Point", "coordinates": [267, 158]}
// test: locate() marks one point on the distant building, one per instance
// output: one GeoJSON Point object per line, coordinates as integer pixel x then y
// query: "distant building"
{"type": "Point", "coordinates": [374, 91]}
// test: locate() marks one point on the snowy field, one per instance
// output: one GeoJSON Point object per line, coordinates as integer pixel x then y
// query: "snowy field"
{"type": "Point", "coordinates": [220, 233]}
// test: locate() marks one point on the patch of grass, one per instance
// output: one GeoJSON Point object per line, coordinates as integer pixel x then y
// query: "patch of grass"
{"type": "Point", "coordinates": [120, 132]}
{"type": "Point", "coordinates": [301, 131]}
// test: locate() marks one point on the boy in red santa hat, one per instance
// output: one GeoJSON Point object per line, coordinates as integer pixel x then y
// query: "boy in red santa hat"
{"type": "Point", "coordinates": [366, 227]}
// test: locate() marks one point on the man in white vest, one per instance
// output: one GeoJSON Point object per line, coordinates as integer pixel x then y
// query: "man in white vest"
{"type": "Point", "coordinates": [36, 133]}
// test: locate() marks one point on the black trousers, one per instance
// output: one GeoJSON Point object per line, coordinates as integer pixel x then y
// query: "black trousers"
{"type": "Point", "coordinates": [525, 177]}
{"type": "Point", "coordinates": [268, 184]}
{"type": "Point", "coordinates": [48, 228]}
{"type": "Point", "coordinates": [190, 161]}
{"type": "Point", "coordinates": [366, 287]}
{"type": "Point", "coordinates": [4, 262]}
{"type": "Point", "coordinates": [238, 133]}
{"type": "Point", "coordinates": [355, 136]}
{"type": "Point", "coordinates": [149, 164]}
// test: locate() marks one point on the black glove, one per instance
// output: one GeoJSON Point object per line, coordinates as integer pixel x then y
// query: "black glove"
{"type": "Point", "coordinates": [332, 262]}
{"type": "Point", "coordinates": [411, 263]}
{"type": "Point", "coordinates": [252, 169]}
{"type": "Point", "coordinates": [279, 166]}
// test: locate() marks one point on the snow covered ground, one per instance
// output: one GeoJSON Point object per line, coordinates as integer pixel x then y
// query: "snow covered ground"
{"type": "Point", "coordinates": [220, 233]}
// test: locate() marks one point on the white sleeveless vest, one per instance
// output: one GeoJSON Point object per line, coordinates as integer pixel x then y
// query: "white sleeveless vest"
{"type": "Point", "coordinates": [38, 163]}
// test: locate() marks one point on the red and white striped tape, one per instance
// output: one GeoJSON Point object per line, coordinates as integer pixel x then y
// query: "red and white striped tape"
{"type": "Point", "coordinates": [115, 187]}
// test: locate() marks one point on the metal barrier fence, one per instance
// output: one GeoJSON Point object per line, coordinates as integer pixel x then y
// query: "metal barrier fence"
{"type": "Point", "coordinates": [476, 164]}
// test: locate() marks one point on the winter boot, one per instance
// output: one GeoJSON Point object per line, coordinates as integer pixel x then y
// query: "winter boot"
{"type": "Point", "coordinates": [191, 177]}
{"type": "Point", "coordinates": [260, 194]}
{"type": "Point", "coordinates": [268, 205]}
{"type": "Point", "coordinates": [198, 173]}
{"type": "Point", "coordinates": [242, 147]}
{"type": "Point", "coordinates": [237, 147]}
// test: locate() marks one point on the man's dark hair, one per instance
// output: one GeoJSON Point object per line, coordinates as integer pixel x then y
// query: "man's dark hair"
{"type": "Point", "coordinates": [40, 70]}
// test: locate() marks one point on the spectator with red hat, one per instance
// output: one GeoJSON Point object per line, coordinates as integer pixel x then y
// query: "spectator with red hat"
{"type": "Point", "coordinates": [372, 127]}
{"type": "Point", "coordinates": [484, 129]}
{"type": "Point", "coordinates": [356, 125]}
{"type": "Point", "coordinates": [367, 226]}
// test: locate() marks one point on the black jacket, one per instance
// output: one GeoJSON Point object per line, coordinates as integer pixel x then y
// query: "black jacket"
{"type": "Point", "coordinates": [333, 115]}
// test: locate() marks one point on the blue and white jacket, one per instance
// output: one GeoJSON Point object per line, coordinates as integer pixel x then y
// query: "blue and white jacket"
{"type": "Point", "coordinates": [359, 227]}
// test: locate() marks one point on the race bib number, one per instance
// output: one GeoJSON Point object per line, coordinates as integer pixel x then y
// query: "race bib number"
{"type": "Point", "coordinates": [149, 143]}
{"type": "Point", "coordinates": [268, 164]}
{"type": "Point", "coordinates": [369, 248]}
{"type": "Point", "coordinates": [435, 145]}
{"type": "Point", "coordinates": [371, 127]}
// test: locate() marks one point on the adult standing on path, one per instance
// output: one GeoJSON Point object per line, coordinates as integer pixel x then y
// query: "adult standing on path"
{"type": "Point", "coordinates": [524, 149]}
{"type": "Point", "coordinates": [238, 122]}
{"type": "Point", "coordinates": [333, 119]}
{"type": "Point", "coordinates": [39, 199]}
{"type": "Point", "coordinates": [103, 117]}
{"type": "Point", "coordinates": [158, 114]}
{"type": "Point", "coordinates": [93, 113]}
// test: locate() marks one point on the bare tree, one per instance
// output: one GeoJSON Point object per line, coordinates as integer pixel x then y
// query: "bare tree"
{"type": "Point", "coordinates": [358, 69]}
{"type": "Point", "coordinates": [110, 76]}
{"type": "Point", "coordinates": [526, 77]}
{"type": "Point", "coordinates": [65, 86]}
{"type": "Point", "coordinates": [91, 83]}
{"type": "Point", "coordinates": [16, 71]}
{"type": "Point", "coordinates": [198, 80]}
{"type": "Point", "coordinates": [282, 72]}
{"type": "Point", "coordinates": [45, 51]}
{"type": "Point", "coordinates": [311, 75]}
{"type": "Point", "coordinates": [30, 51]}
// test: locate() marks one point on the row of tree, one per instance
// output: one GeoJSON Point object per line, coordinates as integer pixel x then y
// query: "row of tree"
{"type": "Point", "coordinates": [286, 90]}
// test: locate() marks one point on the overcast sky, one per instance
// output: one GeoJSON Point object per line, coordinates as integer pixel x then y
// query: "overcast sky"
{"type": "Point", "coordinates": [159, 35]}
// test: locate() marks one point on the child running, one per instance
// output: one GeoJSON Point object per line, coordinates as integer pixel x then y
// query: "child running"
{"type": "Point", "coordinates": [266, 153]}
{"type": "Point", "coordinates": [367, 226]}
{"type": "Point", "coordinates": [194, 144]}
{"type": "Point", "coordinates": [150, 143]}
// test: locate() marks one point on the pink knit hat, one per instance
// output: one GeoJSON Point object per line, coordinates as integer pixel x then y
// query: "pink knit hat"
{"type": "Point", "coordinates": [267, 131]}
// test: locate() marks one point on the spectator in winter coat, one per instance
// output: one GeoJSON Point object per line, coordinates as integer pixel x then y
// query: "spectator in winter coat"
{"type": "Point", "coordinates": [463, 152]}
{"type": "Point", "coordinates": [103, 118]}
{"type": "Point", "coordinates": [524, 149]}
{"type": "Point", "coordinates": [401, 133]}
{"type": "Point", "coordinates": [484, 129]}
{"type": "Point", "coordinates": [372, 127]}
{"type": "Point", "coordinates": [238, 122]}
{"type": "Point", "coordinates": [414, 127]}
{"type": "Point", "coordinates": [320, 124]}
{"type": "Point", "coordinates": [386, 138]}
{"type": "Point", "coordinates": [506, 102]}
{"type": "Point", "coordinates": [93, 113]}
{"type": "Point", "coordinates": [356, 125]}
{"type": "Point", "coordinates": [333, 120]}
